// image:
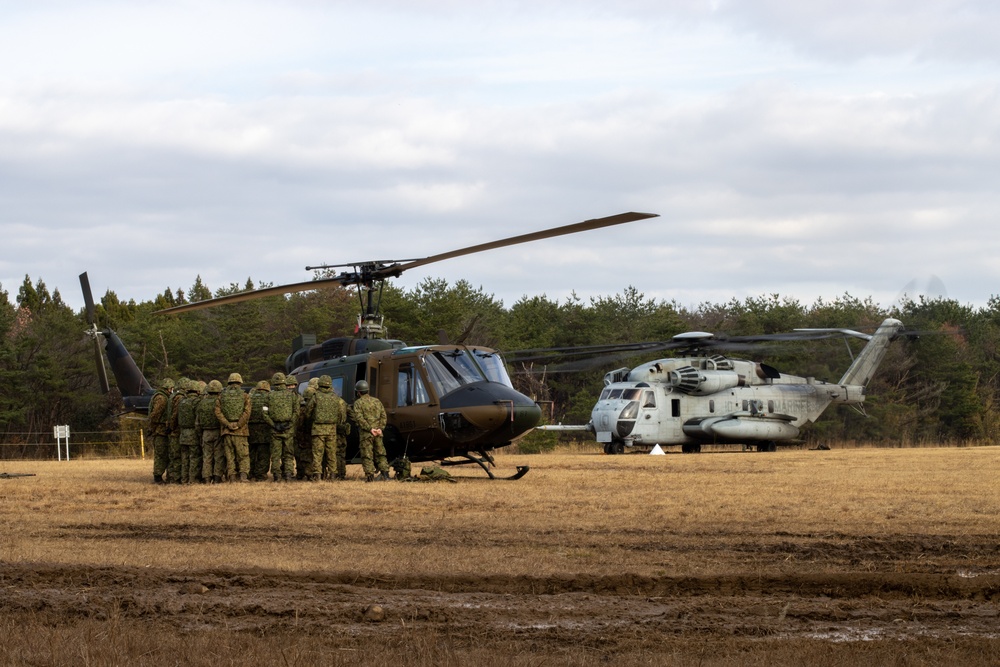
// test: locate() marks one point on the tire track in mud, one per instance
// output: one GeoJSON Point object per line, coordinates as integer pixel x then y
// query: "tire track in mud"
{"type": "Point", "coordinates": [623, 611]}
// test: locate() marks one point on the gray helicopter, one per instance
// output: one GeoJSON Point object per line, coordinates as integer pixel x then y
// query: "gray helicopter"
{"type": "Point", "coordinates": [707, 398]}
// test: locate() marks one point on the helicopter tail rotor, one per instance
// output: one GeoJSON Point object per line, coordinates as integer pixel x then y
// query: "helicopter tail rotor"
{"type": "Point", "coordinates": [94, 333]}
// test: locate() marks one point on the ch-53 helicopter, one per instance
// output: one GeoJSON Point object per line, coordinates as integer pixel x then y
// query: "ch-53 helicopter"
{"type": "Point", "coordinates": [452, 403]}
{"type": "Point", "coordinates": [703, 397]}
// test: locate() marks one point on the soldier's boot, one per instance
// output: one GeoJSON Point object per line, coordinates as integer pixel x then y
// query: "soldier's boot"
{"type": "Point", "coordinates": [369, 478]}
{"type": "Point", "coordinates": [289, 477]}
{"type": "Point", "coordinates": [242, 477]}
{"type": "Point", "coordinates": [157, 479]}
{"type": "Point", "coordinates": [276, 477]}
{"type": "Point", "coordinates": [339, 478]}
{"type": "Point", "coordinates": [383, 476]}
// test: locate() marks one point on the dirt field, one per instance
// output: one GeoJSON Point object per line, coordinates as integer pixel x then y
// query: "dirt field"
{"type": "Point", "coordinates": [843, 556]}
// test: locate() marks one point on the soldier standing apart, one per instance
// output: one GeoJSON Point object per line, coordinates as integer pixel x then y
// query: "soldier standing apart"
{"type": "Point", "coordinates": [232, 409]}
{"type": "Point", "coordinates": [323, 410]}
{"type": "Point", "coordinates": [260, 432]}
{"type": "Point", "coordinates": [213, 465]}
{"type": "Point", "coordinates": [174, 431]}
{"type": "Point", "coordinates": [159, 416]}
{"type": "Point", "coordinates": [282, 412]}
{"type": "Point", "coordinates": [303, 449]}
{"type": "Point", "coordinates": [188, 436]}
{"type": "Point", "coordinates": [369, 415]}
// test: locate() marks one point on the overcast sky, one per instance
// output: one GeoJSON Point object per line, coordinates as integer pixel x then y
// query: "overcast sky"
{"type": "Point", "coordinates": [806, 149]}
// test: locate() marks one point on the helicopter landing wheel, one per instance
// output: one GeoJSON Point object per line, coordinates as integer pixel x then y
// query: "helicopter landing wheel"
{"type": "Point", "coordinates": [614, 448]}
{"type": "Point", "coordinates": [691, 449]}
{"type": "Point", "coordinates": [767, 447]}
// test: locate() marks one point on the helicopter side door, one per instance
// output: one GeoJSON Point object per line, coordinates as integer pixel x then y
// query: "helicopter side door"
{"type": "Point", "coordinates": [410, 408]}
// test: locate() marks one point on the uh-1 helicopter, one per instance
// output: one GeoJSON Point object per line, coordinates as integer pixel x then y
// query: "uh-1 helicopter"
{"type": "Point", "coordinates": [704, 397]}
{"type": "Point", "coordinates": [452, 403]}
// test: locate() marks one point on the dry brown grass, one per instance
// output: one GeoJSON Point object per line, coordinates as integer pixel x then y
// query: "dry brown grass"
{"type": "Point", "coordinates": [713, 517]}
{"type": "Point", "coordinates": [590, 514]}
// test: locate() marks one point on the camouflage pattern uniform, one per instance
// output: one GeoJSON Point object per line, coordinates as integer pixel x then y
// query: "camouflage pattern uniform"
{"type": "Point", "coordinates": [174, 433]}
{"type": "Point", "coordinates": [159, 417]}
{"type": "Point", "coordinates": [188, 438]}
{"type": "Point", "coordinates": [213, 459]}
{"type": "Point", "coordinates": [343, 430]}
{"type": "Point", "coordinates": [232, 409]}
{"type": "Point", "coordinates": [369, 415]}
{"type": "Point", "coordinates": [323, 411]}
{"type": "Point", "coordinates": [303, 440]}
{"type": "Point", "coordinates": [260, 432]}
{"type": "Point", "coordinates": [282, 414]}
{"type": "Point", "coordinates": [196, 464]}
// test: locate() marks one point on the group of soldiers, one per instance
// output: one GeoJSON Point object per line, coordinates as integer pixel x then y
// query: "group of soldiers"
{"type": "Point", "coordinates": [207, 433]}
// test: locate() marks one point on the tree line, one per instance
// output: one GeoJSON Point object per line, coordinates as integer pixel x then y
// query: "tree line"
{"type": "Point", "coordinates": [938, 387]}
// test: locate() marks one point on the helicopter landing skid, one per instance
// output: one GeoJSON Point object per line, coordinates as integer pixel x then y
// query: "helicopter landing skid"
{"type": "Point", "coordinates": [484, 462]}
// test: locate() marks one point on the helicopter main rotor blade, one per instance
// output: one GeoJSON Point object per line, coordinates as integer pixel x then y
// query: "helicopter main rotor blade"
{"type": "Point", "coordinates": [251, 294]}
{"type": "Point", "coordinates": [586, 225]}
{"type": "Point", "coordinates": [372, 272]}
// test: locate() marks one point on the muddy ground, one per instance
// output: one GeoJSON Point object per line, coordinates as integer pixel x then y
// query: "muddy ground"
{"type": "Point", "coordinates": [548, 615]}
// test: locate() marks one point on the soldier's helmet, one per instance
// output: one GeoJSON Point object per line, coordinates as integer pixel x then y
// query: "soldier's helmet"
{"type": "Point", "coordinates": [194, 386]}
{"type": "Point", "coordinates": [264, 385]}
{"type": "Point", "coordinates": [325, 381]}
{"type": "Point", "coordinates": [201, 386]}
{"type": "Point", "coordinates": [278, 379]}
{"type": "Point", "coordinates": [182, 383]}
{"type": "Point", "coordinates": [214, 387]}
{"type": "Point", "coordinates": [235, 378]}
{"type": "Point", "coordinates": [291, 381]}
{"type": "Point", "coordinates": [361, 387]}
{"type": "Point", "coordinates": [313, 382]}
{"type": "Point", "coordinates": [167, 384]}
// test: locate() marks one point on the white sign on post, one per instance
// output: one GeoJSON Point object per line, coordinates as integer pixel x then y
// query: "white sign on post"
{"type": "Point", "coordinates": [61, 433]}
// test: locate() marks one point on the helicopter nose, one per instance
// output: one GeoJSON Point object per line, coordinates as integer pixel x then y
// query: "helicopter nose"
{"type": "Point", "coordinates": [494, 409]}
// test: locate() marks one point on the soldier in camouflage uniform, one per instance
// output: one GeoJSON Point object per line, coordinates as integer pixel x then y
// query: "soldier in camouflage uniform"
{"type": "Point", "coordinates": [188, 437]}
{"type": "Point", "coordinates": [195, 463]}
{"type": "Point", "coordinates": [303, 441]}
{"type": "Point", "coordinates": [213, 465]}
{"type": "Point", "coordinates": [174, 431]}
{"type": "Point", "coordinates": [369, 415]}
{"type": "Point", "coordinates": [323, 412]}
{"type": "Point", "coordinates": [260, 432]}
{"type": "Point", "coordinates": [159, 417]}
{"type": "Point", "coordinates": [232, 409]}
{"type": "Point", "coordinates": [343, 430]}
{"type": "Point", "coordinates": [282, 414]}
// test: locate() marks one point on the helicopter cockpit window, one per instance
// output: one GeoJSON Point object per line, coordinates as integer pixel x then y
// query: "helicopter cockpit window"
{"type": "Point", "coordinates": [605, 394]}
{"type": "Point", "coordinates": [410, 389]}
{"type": "Point", "coordinates": [631, 394]}
{"type": "Point", "coordinates": [615, 393]}
{"type": "Point", "coordinates": [648, 400]}
{"type": "Point", "coordinates": [492, 364]}
{"type": "Point", "coordinates": [447, 371]}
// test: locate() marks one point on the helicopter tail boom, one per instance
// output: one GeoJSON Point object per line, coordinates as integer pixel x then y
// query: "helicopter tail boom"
{"type": "Point", "coordinates": [864, 367]}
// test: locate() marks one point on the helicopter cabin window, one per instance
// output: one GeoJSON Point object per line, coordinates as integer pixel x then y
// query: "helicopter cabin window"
{"type": "Point", "coordinates": [410, 389]}
{"type": "Point", "coordinates": [711, 405]}
{"type": "Point", "coordinates": [770, 406]}
{"type": "Point", "coordinates": [492, 364]}
{"type": "Point", "coordinates": [675, 407]}
{"type": "Point", "coordinates": [746, 405]}
{"type": "Point", "coordinates": [648, 400]}
{"type": "Point", "coordinates": [447, 371]}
